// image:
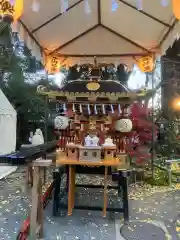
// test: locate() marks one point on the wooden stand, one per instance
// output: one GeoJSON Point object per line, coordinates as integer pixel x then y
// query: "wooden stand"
{"type": "Point", "coordinates": [72, 185]}
{"type": "Point", "coordinates": [36, 218]}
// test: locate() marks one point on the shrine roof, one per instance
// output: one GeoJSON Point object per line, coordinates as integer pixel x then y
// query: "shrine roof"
{"type": "Point", "coordinates": [106, 86]}
{"type": "Point", "coordinates": [87, 91]}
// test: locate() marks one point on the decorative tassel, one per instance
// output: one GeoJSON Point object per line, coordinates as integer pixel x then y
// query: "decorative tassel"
{"type": "Point", "coordinates": [164, 3]}
{"type": "Point", "coordinates": [64, 6]}
{"type": "Point", "coordinates": [114, 5]}
{"type": "Point", "coordinates": [73, 108]}
{"type": "Point", "coordinates": [12, 2]}
{"type": "Point", "coordinates": [140, 5]}
{"type": "Point", "coordinates": [119, 109]}
{"type": "Point", "coordinates": [95, 109]}
{"type": "Point", "coordinates": [103, 109]}
{"type": "Point", "coordinates": [87, 8]}
{"type": "Point", "coordinates": [36, 6]}
{"type": "Point", "coordinates": [80, 108]}
{"type": "Point", "coordinates": [89, 110]}
{"type": "Point", "coordinates": [112, 109]}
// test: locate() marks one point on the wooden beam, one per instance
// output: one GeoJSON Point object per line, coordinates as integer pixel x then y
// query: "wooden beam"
{"type": "Point", "coordinates": [102, 55]}
{"type": "Point", "coordinates": [144, 13]}
{"type": "Point", "coordinates": [55, 17]}
{"type": "Point", "coordinates": [168, 32]}
{"type": "Point", "coordinates": [99, 11]}
{"type": "Point", "coordinates": [74, 39]}
{"type": "Point", "coordinates": [31, 35]}
{"type": "Point", "coordinates": [126, 39]}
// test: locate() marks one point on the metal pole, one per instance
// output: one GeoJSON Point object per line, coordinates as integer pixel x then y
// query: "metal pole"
{"type": "Point", "coordinates": [46, 119]}
{"type": "Point", "coordinates": [153, 128]}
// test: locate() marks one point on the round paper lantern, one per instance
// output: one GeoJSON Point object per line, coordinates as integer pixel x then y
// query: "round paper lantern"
{"type": "Point", "coordinates": [11, 10]}
{"type": "Point", "coordinates": [18, 9]}
{"type": "Point", "coordinates": [123, 125]}
{"type": "Point", "coordinates": [61, 122]}
{"type": "Point", "coordinates": [176, 8]}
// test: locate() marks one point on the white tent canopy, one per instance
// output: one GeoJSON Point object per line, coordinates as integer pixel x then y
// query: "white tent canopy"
{"type": "Point", "coordinates": [112, 36]}
{"type": "Point", "coordinates": [7, 126]}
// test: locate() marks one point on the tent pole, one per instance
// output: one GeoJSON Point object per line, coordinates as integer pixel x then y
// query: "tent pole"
{"type": "Point", "coordinates": [153, 128]}
{"type": "Point", "coordinates": [46, 120]}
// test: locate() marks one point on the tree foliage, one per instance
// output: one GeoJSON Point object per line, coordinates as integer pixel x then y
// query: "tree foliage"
{"type": "Point", "coordinates": [14, 82]}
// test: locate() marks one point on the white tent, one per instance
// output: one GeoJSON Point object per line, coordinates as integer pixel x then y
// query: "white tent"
{"type": "Point", "coordinates": [7, 132]}
{"type": "Point", "coordinates": [111, 33]}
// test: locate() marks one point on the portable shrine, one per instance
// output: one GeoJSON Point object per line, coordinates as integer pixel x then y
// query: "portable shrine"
{"type": "Point", "coordinates": [96, 107]}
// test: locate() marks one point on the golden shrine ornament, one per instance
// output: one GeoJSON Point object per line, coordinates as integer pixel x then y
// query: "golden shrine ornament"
{"type": "Point", "coordinates": [93, 86]}
{"type": "Point", "coordinates": [11, 12]}
{"type": "Point", "coordinates": [52, 64]}
{"type": "Point", "coordinates": [146, 64]}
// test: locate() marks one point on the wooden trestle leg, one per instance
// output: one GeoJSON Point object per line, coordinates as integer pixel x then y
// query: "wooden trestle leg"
{"type": "Point", "coordinates": [35, 203]}
{"type": "Point", "coordinates": [70, 190]}
{"type": "Point", "coordinates": [105, 191]}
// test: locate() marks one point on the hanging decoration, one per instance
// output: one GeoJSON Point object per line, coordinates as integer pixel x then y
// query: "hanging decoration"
{"type": "Point", "coordinates": [164, 3]}
{"type": "Point", "coordinates": [123, 125]}
{"type": "Point", "coordinates": [52, 64]}
{"type": "Point", "coordinates": [87, 8]}
{"type": "Point", "coordinates": [89, 110]}
{"type": "Point", "coordinates": [64, 6]}
{"type": "Point", "coordinates": [18, 9]}
{"type": "Point", "coordinates": [36, 6]}
{"type": "Point", "coordinates": [114, 5]}
{"type": "Point", "coordinates": [146, 64]}
{"type": "Point", "coordinates": [12, 2]}
{"type": "Point", "coordinates": [11, 10]}
{"type": "Point", "coordinates": [176, 8]}
{"type": "Point", "coordinates": [139, 5]}
{"type": "Point", "coordinates": [103, 109]}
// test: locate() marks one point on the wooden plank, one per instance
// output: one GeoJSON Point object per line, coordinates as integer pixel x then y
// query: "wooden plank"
{"type": "Point", "coordinates": [66, 161]}
{"type": "Point", "coordinates": [34, 208]}
{"type": "Point", "coordinates": [42, 163]}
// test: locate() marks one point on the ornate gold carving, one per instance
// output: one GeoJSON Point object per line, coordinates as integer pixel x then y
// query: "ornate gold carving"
{"type": "Point", "coordinates": [91, 95]}
{"type": "Point", "coordinates": [93, 86]}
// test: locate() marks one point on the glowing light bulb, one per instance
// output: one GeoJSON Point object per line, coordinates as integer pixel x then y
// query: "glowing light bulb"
{"type": "Point", "coordinates": [64, 6]}
{"type": "Point", "coordinates": [36, 6]}
{"type": "Point", "coordinates": [114, 6]}
{"type": "Point", "coordinates": [87, 8]}
{"type": "Point", "coordinates": [140, 5]}
{"type": "Point", "coordinates": [164, 3]}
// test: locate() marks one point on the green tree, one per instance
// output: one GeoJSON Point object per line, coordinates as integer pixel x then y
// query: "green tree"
{"type": "Point", "coordinates": [16, 65]}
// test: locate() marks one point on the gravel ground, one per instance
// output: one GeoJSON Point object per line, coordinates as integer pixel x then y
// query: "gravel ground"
{"type": "Point", "coordinates": [147, 204]}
